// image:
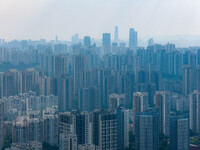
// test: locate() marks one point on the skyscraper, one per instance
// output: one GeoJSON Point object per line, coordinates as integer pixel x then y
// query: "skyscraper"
{"type": "Point", "coordinates": [108, 88]}
{"type": "Point", "coordinates": [123, 128]}
{"type": "Point", "coordinates": [195, 111]}
{"type": "Point", "coordinates": [111, 129]}
{"type": "Point", "coordinates": [87, 41]}
{"type": "Point", "coordinates": [51, 128]}
{"type": "Point", "coordinates": [80, 65]}
{"type": "Point", "coordinates": [128, 82]}
{"type": "Point", "coordinates": [20, 131]}
{"type": "Point", "coordinates": [108, 131]}
{"type": "Point", "coordinates": [140, 104]}
{"type": "Point", "coordinates": [116, 35]}
{"type": "Point", "coordinates": [27, 80]}
{"type": "Point", "coordinates": [79, 123]}
{"type": "Point", "coordinates": [84, 127]}
{"type": "Point", "coordinates": [106, 39]}
{"type": "Point", "coordinates": [133, 39]}
{"type": "Point", "coordinates": [68, 141]}
{"type": "Point", "coordinates": [179, 133]}
{"type": "Point", "coordinates": [60, 65]}
{"type": "Point", "coordinates": [187, 81]}
{"type": "Point", "coordinates": [115, 101]}
{"type": "Point", "coordinates": [147, 130]}
{"type": "Point", "coordinates": [35, 129]}
{"type": "Point", "coordinates": [84, 99]}
{"type": "Point", "coordinates": [162, 102]}
{"type": "Point", "coordinates": [65, 93]}
{"type": "Point", "coordinates": [3, 54]}
{"type": "Point", "coordinates": [47, 64]}
{"type": "Point", "coordinates": [10, 83]}
{"type": "Point", "coordinates": [1, 125]}
{"type": "Point", "coordinates": [88, 99]}
{"type": "Point", "coordinates": [67, 123]}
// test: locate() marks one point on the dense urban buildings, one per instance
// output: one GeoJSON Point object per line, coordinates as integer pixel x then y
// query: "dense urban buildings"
{"type": "Point", "coordinates": [90, 95]}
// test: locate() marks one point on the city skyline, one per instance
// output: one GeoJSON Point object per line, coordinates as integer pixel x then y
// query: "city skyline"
{"type": "Point", "coordinates": [99, 75]}
{"type": "Point", "coordinates": [46, 19]}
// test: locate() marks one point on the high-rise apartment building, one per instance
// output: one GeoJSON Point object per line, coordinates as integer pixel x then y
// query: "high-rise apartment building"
{"type": "Point", "coordinates": [28, 80]}
{"type": "Point", "coordinates": [20, 131]}
{"type": "Point", "coordinates": [35, 129]}
{"type": "Point", "coordinates": [195, 111]}
{"type": "Point", "coordinates": [108, 135]}
{"type": "Point", "coordinates": [44, 86]}
{"type": "Point", "coordinates": [110, 129]}
{"type": "Point", "coordinates": [47, 64]}
{"type": "Point", "coordinates": [10, 83]}
{"type": "Point", "coordinates": [79, 123]}
{"type": "Point", "coordinates": [80, 65]}
{"type": "Point", "coordinates": [187, 80]}
{"type": "Point", "coordinates": [162, 102]}
{"type": "Point", "coordinates": [140, 104]}
{"type": "Point", "coordinates": [147, 130]}
{"type": "Point", "coordinates": [68, 142]}
{"type": "Point", "coordinates": [67, 123]}
{"type": "Point", "coordinates": [123, 128]}
{"type": "Point", "coordinates": [84, 128]}
{"type": "Point", "coordinates": [108, 88]}
{"type": "Point", "coordinates": [51, 129]}
{"type": "Point", "coordinates": [3, 54]}
{"type": "Point", "coordinates": [65, 93]}
{"type": "Point", "coordinates": [60, 65]}
{"type": "Point", "coordinates": [128, 82]}
{"type": "Point", "coordinates": [89, 99]}
{"type": "Point", "coordinates": [116, 100]}
{"type": "Point", "coordinates": [179, 133]}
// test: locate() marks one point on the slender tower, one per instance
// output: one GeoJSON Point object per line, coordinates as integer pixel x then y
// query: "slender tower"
{"type": "Point", "coordinates": [116, 34]}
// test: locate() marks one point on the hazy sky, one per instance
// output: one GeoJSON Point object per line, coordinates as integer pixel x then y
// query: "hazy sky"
{"type": "Point", "coordinates": [24, 19]}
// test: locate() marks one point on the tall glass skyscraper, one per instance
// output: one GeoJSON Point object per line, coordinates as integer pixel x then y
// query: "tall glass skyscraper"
{"type": "Point", "coordinates": [133, 39]}
{"type": "Point", "coordinates": [116, 35]}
